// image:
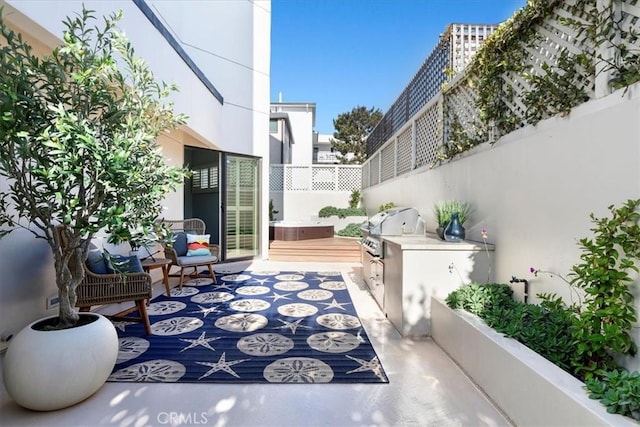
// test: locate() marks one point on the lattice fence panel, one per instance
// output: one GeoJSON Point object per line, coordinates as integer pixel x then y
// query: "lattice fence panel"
{"type": "Point", "coordinates": [276, 178]}
{"type": "Point", "coordinates": [323, 178]}
{"type": "Point", "coordinates": [297, 178]}
{"type": "Point", "coordinates": [379, 135]}
{"type": "Point", "coordinates": [349, 179]}
{"type": "Point", "coordinates": [416, 93]}
{"type": "Point", "coordinates": [630, 23]}
{"type": "Point", "coordinates": [556, 36]}
{"type": "Point", "coordinates": [460, 105]}
{"type": "Point", "coordinates": [399, 109]}
{"type": "Point", "coordinates": [366, 181]}
{"type": "Point", "coordinates": [388, 161]}
{"type": "Point", "coordinates": [429, 79]}
{"type": "Point", "coordinates": [428, 135]}
{"type": "Point", "coordinates": [375, 169]}
{"type": "Point", "coordinates": [553, 37]}
{"type": "Point", "coordinates": [423, 87]}
{"type": "Point", "coordinates": [405, 143]}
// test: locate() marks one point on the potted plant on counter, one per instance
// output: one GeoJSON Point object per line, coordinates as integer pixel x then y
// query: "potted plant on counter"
{"type": "Point", "coordinates": [78, 155]}
{"type": "Point", "coordinates": [445, 208]}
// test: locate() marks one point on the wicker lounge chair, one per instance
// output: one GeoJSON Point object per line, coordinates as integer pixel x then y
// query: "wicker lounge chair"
{"type": "Point", "coordinates": [100, 289]}
{"type": "Point", "coordinates": [194, 226]}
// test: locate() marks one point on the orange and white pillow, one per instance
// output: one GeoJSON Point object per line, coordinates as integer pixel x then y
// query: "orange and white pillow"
{"type": "Point", "coordinates": [198, 244]}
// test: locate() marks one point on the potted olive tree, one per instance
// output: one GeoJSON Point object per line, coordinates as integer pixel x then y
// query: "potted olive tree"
{"type": "Point", "coordinates": [78, 150]}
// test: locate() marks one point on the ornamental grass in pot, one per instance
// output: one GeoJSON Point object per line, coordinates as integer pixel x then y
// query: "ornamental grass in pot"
{"type": "Point", "coordinates": [443, 210]}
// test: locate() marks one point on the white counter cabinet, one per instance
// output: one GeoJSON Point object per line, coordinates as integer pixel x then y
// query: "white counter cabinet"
{"type": "Point", "coordinates": [419, 267]}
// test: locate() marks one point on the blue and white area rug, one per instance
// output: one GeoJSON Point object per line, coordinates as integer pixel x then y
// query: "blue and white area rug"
{"type": "Point", "coordinates": [251, 327]}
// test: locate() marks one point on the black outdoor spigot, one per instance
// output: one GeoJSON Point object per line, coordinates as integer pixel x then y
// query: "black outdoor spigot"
{"type": "Point", "coordinates": [514, 279]}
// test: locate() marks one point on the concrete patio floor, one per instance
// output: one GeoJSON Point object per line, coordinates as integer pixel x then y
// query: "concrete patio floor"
{"type": "Point", "coordinates": [425, 387]}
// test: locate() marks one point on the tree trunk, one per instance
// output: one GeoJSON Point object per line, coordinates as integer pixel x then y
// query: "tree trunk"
{"type": "Point", "coordinates": [69, 253]}
{"type": "Point", "coordinates": [67, 315]}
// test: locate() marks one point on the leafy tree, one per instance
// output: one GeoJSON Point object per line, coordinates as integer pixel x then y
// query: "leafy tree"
{"type": "Point", "coordinates": [78, 147]}
{"type": "Point", "coordinates": [352, 130]}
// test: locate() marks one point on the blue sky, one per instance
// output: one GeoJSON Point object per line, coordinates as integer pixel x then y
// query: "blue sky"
{"type": "Point", "coordinates": [344, 53]}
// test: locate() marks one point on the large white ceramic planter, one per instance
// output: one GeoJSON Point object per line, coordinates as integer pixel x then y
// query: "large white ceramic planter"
{"type": "Point", "coordinates": [49, 370]}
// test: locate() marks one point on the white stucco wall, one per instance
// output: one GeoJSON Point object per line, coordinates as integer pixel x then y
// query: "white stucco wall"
{"type": "Point", "coordinates": [535, 188]}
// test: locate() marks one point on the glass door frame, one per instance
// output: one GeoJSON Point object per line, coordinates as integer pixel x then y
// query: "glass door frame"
{"type": "Point", "coordinates": [255, 250]}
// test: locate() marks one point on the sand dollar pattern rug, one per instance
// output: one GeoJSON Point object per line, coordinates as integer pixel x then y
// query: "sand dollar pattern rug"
{"type": "Point", "coordinates": [251, 327]}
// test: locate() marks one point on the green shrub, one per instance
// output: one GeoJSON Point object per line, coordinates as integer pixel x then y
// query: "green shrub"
{"type": "Point", "coordinates": [619, 391]}
{"type": "Point", "coordinates": [328, 211]}
{"type": "Point", "coordinates": [272, 211]}
{"type": "Point", "coordinates": [545, 329]}
{"type": "Point", "coordinates": [352, 212]}
{"type": "Point", "coordinates": [476, 298]}
{"type": "Point", "coordinates": [351, 230]}
{"type": "Point", "coordinates": [354, 199]}
{"type": "Point", "coordinates": [609, 263]}
{"type": "Point", "coordinates": [386, 206]}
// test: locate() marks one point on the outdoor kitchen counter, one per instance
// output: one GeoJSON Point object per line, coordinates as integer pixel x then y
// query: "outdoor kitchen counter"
{"type": "Point", "coordinates": [417, 267]}
{"type": "Point", "coordinates": [432, 242]}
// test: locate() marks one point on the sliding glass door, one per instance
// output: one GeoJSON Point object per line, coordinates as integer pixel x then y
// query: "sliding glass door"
{"type": "Point", "coordinates": [241, 207]}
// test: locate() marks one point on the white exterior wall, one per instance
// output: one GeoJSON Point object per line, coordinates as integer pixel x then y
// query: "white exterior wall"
{"type": "Point", "coordinates": [302, 130]}
{"type": "Point", "coordinates": [280, 144]}
{"type": "Point", "coordinates": [217, 35]}
{"type": "Point", "coordinates": [228, 40]}
{"type": "Point", "coordinates": [302, 120]}
{"type": "Point", "coordinates": [260, 44]}
{"type": "Point", "coordinates": [305, 205]}
{"type": "Point", "coordinates": [535, 188]}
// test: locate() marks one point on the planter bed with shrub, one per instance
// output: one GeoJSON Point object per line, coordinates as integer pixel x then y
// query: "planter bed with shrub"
{"type": "Point", "coordinates": [528, 388]}
{"type": "Point", "coordinates": [582, 339]}
{"type": "Point", "coordinates": [346, 221]}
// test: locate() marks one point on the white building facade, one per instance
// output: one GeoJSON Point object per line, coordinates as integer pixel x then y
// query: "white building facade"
{"type": "Point", "coordinates": [302, 120]}
{"type": "Point", "coordinates": [323, 152]}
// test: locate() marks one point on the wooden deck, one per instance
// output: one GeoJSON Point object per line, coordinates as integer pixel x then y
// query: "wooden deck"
{"type": "Point", "coordinates": [333, 249]}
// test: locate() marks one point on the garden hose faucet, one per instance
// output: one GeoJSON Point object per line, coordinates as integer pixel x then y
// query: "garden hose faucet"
{"type": "Point", "coordinates": [515, 279]}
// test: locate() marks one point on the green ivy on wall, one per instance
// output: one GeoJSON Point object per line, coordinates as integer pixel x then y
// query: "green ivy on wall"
{"type": "Point", "coordinates": [555, 87]}
{"type": "Point", "coordinates": [504, 52]}
{"type": "Point", "coordinates": [606, 29]}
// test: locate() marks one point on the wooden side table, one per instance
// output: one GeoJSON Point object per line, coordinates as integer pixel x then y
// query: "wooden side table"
{"type": "Point", "coordinates": [149, 264]}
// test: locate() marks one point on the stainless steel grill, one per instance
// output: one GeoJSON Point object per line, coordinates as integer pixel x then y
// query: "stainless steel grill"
{"type": "Point", "coordinates": [392, 222]}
